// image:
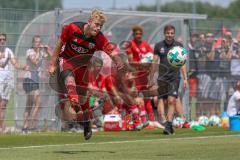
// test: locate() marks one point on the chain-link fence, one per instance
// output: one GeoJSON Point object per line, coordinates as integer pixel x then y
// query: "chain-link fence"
{"type": "Point", "coordinates": [214, 64]}
{"type": "Point", "coordinates": [210, 82]}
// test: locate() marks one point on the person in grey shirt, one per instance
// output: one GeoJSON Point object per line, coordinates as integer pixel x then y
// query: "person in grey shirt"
{"type": "Point", "coordinates": [34, 57]}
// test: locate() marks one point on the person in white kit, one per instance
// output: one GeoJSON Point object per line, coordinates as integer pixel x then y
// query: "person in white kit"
{"type": "Point", "coordinates": [7, 61]}
{"type": "Point", "coordinates": [233, 107]}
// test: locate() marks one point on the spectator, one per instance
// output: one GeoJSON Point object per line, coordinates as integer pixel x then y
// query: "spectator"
{"type": "Point", "coordinates": [225, 55]}
{"type": "Point", "coordinates": [7, 59]}
{"type": "Point", "coordinates": [235, 61]}
{"type": "Point", "coordinates": [34, 57]}
{"type": "Point", "coordinates": [206, 79]}
{"type": "Point", "coordinates": [192, 57]}
{"type": "Point", "coordinates": [234, 102]}
{"type": "Point", "coordinates": [212, 58]}
{"type": "Point", "coordinates": [200, 54]}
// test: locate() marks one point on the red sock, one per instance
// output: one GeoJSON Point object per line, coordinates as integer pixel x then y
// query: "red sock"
{"type": "Point", "coordinates": [143, 114]}
{"type": "Point", "coordinates": [87, 113]}
{"type": "Point", "coordinates": [135, 114]}
{"type": "Point", "coordinates": [149, 109]}
{"type": "Point", "coordinates": [71, 88]}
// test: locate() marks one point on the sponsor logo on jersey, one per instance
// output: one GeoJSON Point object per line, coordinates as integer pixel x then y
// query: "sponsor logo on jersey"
{"type": "Point", "coordinates": [91, 45]}
{"type": "Point", "coordinates": [79, 49]}
{"type": "Point", "coordinates": [162, 50]}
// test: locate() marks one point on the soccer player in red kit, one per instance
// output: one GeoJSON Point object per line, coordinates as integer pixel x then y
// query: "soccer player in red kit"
{"type": "Point", "coordinates": [72, 54]}
{"type": "Point", "coordinates": [136, 51]}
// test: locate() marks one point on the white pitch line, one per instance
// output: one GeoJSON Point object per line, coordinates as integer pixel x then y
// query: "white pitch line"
{"type": "Point", "coordinates": [120, 142]}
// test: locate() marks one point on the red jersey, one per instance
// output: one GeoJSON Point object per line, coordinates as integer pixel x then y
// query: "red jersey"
{"type": "Point", "coordinates": [77, 44]}
{"type": "Point", "coordinates": [97, 82]}
{"type": "Point", "coordinates": [108, 83]}
{"type": "Point", "coordinates": [138, 49]}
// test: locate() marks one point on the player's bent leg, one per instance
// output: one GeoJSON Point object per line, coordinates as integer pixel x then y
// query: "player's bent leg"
{"type": "Point", "coordinates": [70, 85]}
{"type": "Point", "coordinates": [71, 89]}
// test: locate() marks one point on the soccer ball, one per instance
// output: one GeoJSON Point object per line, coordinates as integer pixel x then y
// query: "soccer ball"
{"type": "Point", "coordinates": [203, 120]}
{"type": "Point", "coordinates": [214, 120]}
{"type": "Point", "coordinates": [177, 56]}
{"type": "Point", "coordinates": [178, 122]}
{"type": "Point", "coordinates": [147, 58]}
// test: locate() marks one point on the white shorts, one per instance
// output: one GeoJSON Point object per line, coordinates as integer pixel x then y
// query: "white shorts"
{"type": "Point", "coordinates": [6, 88]}
{"type": "Point", "coordinates": [233, 111]}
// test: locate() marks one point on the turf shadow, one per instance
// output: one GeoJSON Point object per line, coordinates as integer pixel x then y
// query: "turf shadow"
{"type": "Point", "coordinates": [85, 151]}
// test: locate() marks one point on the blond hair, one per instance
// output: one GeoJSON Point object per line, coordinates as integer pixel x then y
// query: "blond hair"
{"type": "Point", "coordinates": [97, 14]}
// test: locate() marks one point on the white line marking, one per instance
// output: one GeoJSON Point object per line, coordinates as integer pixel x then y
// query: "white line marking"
{"type": "Point", "coordinates": [120, 142]}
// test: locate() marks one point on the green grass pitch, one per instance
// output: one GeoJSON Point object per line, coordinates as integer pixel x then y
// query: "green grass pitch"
{"type": "Point", "coordinates": [213, 144]}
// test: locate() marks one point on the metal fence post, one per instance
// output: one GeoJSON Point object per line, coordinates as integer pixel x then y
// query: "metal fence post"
{"type": "Point", "coordinates": [186, 103]}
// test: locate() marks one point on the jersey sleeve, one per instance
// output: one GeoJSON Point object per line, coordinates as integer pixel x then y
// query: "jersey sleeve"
{"type": "Point", "coordinates": [149, 48]}
{"type": "Point", "coordinates": [29, 53]}
{"type": "Point", "coordinates": [10, 53]}
{"type": "Point", "coordinates": [129, 49]}
{"type": "Point", "coordinates": [238, 96]}
{"type": "Point", "coordinates": [107, 83]}
{"type": "Point", "coordinates": [103, 44]}
{"type": "Point", "coordinates": [66, 32]}
{"type": "Point", "coordinates": [156, 49]}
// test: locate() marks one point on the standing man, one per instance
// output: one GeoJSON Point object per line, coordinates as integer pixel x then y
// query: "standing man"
{"type": "Point", "coordinates": [168, 83]}
{"type": "Point", "coordinates": [73, 52]}
{"type": "Point", "coordinates": [7, 59]}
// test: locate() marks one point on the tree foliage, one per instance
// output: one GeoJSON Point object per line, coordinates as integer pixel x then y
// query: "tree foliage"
{"type": "Point", "coordinates": [31, 4]}
{"type": "Point", "coordinates": [213, 11]}
{"type": "Point", "coordinates": [233, 9]}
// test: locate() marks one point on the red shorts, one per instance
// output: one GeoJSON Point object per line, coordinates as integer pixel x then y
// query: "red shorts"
{"type": "Point", "coordinates": [141, 81]}
{"type": "Point", "coordinates": [81, 76]}
{"type": "Point", "coordinates": [80, 73]}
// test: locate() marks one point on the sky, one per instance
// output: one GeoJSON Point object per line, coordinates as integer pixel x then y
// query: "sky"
{"type": "Point", "coordinates": [125, 4]}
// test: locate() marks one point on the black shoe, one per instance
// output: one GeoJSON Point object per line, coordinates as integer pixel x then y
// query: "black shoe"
{"type": "Point", "coordinates": [87, 130]}
{"type": "Point", "coordinates": [25, 130]}
{"type": "Point", "coordinates": [164, 123]}
{"type": "Point", "coordinates": [168, 129]}
{"type": "Point", "coordinates": [33, 129]}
